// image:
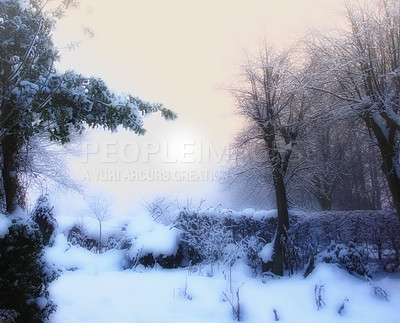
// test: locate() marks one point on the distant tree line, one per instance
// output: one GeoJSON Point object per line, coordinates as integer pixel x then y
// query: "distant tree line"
{"type": "Point", "coordinates": [322, 120]}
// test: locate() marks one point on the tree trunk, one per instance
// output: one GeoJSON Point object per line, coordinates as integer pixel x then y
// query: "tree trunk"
{"type": "Point", "coordinates": [9, 171]}
{"type": "Point", "coordinates": [386, 143]}
{"type": "Point", "coordinates": [283, 222]}
{"type": "Point", "coordinates": [393, 181]}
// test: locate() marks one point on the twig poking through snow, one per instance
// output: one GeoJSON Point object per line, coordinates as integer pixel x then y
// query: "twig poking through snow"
{"type": "Point", "coordinates": [341, 308]}
{"type": "Point", "coordinates": [235, 309]}
{"type": "Point", "coordinates": [318, 290]}
{"type": "Point", "coordinates": [276, 317]}
{"type": "Point", "coordinates": [379, 292]}
{"type": "Point", "coordinates": [184, 291]}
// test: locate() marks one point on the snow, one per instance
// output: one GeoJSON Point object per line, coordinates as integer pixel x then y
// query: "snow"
{"type": "Point", "coordinates": [24, 4]}
{"type": "Point", "coordinates": [41, 302]}
{"type": "Point", "coordinates": [266, 252]}
{"type": "Point", "coordinates": [265, 214]}
{"type": "Point", "coordinates": [150, 237]}
{"type": "Point", "coordinates": [248, 212]}
{"type": "Point", "coordinates": [67, 257]}
{"type": "Point", "coordinates": [141, 224]}
{"type": "Point", "coordinates": [96, 288]}
{"type": "Point", "coordinates": [159, 295]}
{"type": "Point", "coordinates": [160, 241]}
{"type": "Point", "coordinates": [5, 223]}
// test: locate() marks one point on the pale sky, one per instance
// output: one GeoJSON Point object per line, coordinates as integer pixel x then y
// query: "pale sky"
{"type": "Point", "coordinates": [179, 53]}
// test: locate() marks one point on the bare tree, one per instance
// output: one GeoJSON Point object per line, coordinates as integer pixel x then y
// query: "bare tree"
{"type": "Point", "coordinates": [162, 208]}
{"type": "Point", "coordinates": [43, 164]}
{"type": "Point", "coordinates": [361, 68]}
{"type": "Point", "coordinates": [274, 107]}
{"type": "Point", "coordinates": [100, 206]}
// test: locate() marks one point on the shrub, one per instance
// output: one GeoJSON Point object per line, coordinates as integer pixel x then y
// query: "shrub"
{"type": "Point", "coordinates": [78, 236]}
{"type": "Point", "coordinates": [206, 236]}
{"type": "Point", "coordinates": [350, 257]}
{"type": "Point", "coordinates": [43, 215]}
{"type": "Point", "coordinates": [24, 277]}
{"type": "Point", "coordinates": [222, 236]}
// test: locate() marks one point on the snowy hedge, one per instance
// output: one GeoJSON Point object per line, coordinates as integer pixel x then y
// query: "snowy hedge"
{"type": "Point", "coordinates": [217, 236]}
{"type": "Point", "coordinates": [377, 232]}
{"type": "Point", "coordinates": [206, 235]}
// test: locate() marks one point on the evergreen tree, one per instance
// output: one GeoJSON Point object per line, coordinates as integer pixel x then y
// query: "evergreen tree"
{"type": "Point", "coordinates": [35, 97]}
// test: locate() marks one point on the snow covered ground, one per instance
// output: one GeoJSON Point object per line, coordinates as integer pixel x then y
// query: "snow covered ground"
{"type": "Point", "coordinates": [99, 290]}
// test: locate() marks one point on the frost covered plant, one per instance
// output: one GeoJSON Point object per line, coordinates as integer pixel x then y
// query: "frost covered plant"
{"type": "Point", "coordinates": [247, 249]}
{"type": "Point", "coordinates": [349, 257]}
{"type": "Point", "coordinates": [251, 247]}
{"type": "Point", "coordinates": [43, 215]}
{"type": "Point", "coordinates": [234, 301]}
{"type": "Point", "coordinates": [78, 236]}
{"type": "Point", "coordinates": [292, 253]}
{"type": "Point", "coordinates": [183, 292]}
{"type": "Point", "coordinates": [205, 236]}
{"type": "Point", "coordinates": [112, 243]}
{"type": "Point", "coordinates": [318, 295]}
{"type": "Point", "coordinates": [149, 243]}
{"type": "Point", "coordinates": [379, 292]}
{"type": "Point", "coordinates": [161, 208]}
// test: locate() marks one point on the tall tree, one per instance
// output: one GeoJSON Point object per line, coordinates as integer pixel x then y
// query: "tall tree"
{"type": "Point", "coordinates": [35, 97]}
{"type": "Point", "coordinates": [274, 110]}
{"type": "Point", "coordinates": [361, 67]}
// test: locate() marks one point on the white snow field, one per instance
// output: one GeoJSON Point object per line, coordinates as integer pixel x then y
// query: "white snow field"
{"type": "Point", "coordinates": [95, 288]}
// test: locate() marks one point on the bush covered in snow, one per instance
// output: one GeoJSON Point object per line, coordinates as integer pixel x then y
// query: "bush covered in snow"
{"type": "Point", "coordinates": [77, 236]}
{"type": "Point", "coordinates": [349, 256]}
{"type": "Point", "coordinates": [222, 236]}
{"type": "Point", "coordinates": [218, 236]}
{"type": "Point", "coordinates": [204, 237]}
{"type": "Point", "coordinates": [297, 256]}
{"type": "Point", "coordinates": [375, 231]}
{"type": "Point", "coordinates": [149, 242]}
{"type": "Point", "coordinates": [43, 215]}
{"type": "Point", "coordinates": [24, 276]}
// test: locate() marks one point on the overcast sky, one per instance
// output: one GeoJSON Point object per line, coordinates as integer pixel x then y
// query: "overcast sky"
{"type": "Point", "coordinates": [180, 53]}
